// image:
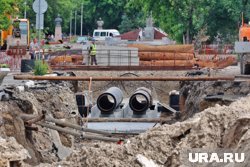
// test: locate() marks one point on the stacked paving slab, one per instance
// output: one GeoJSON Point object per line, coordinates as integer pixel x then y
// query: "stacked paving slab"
{"type": "Point", "coordinates": [116, 56]}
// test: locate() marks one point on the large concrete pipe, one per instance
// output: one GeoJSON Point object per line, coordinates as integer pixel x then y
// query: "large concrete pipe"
{"type": "Point", "coordinates": [109, 100]}
{"type": "Point", "coordinates": [140, 101]}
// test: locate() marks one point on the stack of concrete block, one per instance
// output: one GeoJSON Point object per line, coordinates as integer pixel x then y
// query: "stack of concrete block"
{"type": "Point", "coordinates": [116, 56]}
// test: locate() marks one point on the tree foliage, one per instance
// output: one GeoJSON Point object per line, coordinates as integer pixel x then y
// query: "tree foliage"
{"type": "Point", "coordinates": [181, 19]}
{"type": "Point", "coordinates": [7, 8]}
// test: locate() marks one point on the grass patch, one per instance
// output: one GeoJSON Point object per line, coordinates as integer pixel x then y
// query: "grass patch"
{"type": "Point", "coordinates": [41, 67]}
{"type": "Point", "coordinates": [4, 66]}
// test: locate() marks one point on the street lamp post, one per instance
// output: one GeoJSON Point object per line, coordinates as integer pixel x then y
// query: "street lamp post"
{"type": "Point", "coordinates": [75, 23]}
{"type": "Point", "coordinates": [70, 27]}
{"type": "Point", "coordinates": [25, 3]}
{"type": "Point", "coordinates": [81, 17]}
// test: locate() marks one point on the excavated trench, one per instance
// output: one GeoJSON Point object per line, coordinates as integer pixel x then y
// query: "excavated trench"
{"type": "Point", "coordinates": [198, 96]}
{"type": "Point", "coordinates": [162, 144]}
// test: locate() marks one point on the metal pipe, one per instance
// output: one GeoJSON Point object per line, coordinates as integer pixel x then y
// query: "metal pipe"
{"type": "Point", "coordinates": [70, 26]}
{"type": "Point", "coordinates": [69, 131]}
{"type": "Point", "coordinates": [35, 119]}
{"type": "Point", "coordinates": [118, 68]}
{"type": "Point", "coordinates": [140, 101]}
{"type": "Point", "coordinates": [77, 127]}
{"type": "Point", "coordinates": [31, 128]}
{"type": "Point", "coordinates": [39, 29]}
{"type": "Point", "coordinates": [81, 17]}
{"type": "Point", "coordinates": [25, 6]}
{"type": "Point", "coordinates": [63, 123]}
{"type": "Point", "coordinates": [75, 23]}
{"type": "Point", "coordinates": [170, 78]}
{"type": "Point", "coordinates": [109, 100]}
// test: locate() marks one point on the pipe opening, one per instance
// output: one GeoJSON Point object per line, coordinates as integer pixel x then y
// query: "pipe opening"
{"type": "Point", "coordinates": [247, 69]}
{"type": "Point", "coordinates": [106, 102]}
{"type": "Point", "coordinates": [139, 103]}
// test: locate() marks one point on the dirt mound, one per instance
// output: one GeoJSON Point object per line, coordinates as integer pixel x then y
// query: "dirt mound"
{"type": "Point", "coordinates": [11, 152]}
{"type": "Point", "coordinates": [56, 99]}
{"type": "Point", "coordinates": [202, 95]}
{"type": "Point", "coordinates": [216, 127]}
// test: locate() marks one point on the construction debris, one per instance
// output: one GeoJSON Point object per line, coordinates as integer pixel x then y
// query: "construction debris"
{"type": "Point", "coordinates": [12, 153]}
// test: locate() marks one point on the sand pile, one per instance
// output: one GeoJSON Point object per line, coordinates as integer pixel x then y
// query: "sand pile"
{"type": "Point", "coordinates": [216, 127]}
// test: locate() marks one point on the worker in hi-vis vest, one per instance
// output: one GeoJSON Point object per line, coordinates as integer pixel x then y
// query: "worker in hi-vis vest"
{"type": "Point", "coordinates": [93, 53]}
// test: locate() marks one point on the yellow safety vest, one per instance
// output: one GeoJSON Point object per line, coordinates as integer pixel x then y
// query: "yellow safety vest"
{"type": "Point", "coordinates": [93, 50]}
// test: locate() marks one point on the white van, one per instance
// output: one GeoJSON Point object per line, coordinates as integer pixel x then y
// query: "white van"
{"type": "Point", "coordinates": [101, 35]}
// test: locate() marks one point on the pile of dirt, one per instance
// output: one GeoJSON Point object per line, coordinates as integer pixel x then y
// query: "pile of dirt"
{"type": "Point", "coordinates": [202, 95]}
{"type": "Point", "coordinates": [215, 128]}
{"type": "Point", "coordinates": [11, 152]}
{"type": "Point", "coordinates": [56, 99]}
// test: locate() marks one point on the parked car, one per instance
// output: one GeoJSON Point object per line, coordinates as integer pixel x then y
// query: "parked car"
{"type": "Point", "coordinates": [101, 35]}
{"type": "Point", "coordinates": [82, 39]}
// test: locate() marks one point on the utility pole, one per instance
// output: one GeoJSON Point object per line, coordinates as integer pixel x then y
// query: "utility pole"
{"type": "Point", "coordinates": [39, 29]}
{"type": "Point", "coordinates": [81, 17]}
{"type": "Point", "coordinates": [70, 26]}
{"type": "Point", "coordinates": [25, 3]}
{"type": "Point", "coordinates": [75, 23]}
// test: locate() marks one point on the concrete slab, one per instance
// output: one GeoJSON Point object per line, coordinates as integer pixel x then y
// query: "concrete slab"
{"type": "Point", "coordinates": [63, 151]}
{"type": "Point", "coordinates": [8, 80]}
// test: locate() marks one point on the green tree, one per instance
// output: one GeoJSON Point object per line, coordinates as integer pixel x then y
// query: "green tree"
{"type": "Point", "coordinates": [110, 11]}
{"type": "Point", "coordinates": [7, 8]}
{"type": "Point", "coordinates": [181, 19]}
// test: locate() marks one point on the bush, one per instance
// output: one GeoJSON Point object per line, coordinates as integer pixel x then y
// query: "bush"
{"type": "Point", "coordinates": [4, 66]}
{"type": "Point", "coordinates": [41, 67]}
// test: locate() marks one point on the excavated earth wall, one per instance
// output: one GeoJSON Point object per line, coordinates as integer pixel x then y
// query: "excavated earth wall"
{"type": "Point", "coordinates": [56, 99]}
{"type": "Point", "coordinates": [202, 95]}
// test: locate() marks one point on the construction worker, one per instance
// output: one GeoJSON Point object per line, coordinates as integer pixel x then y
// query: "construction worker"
{"type": "Point", "coordinates": [93, 52]}
{"type": "Point", "coordinates": [33, 48]}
